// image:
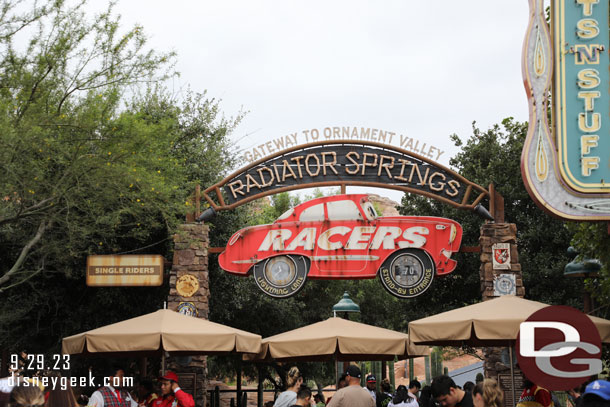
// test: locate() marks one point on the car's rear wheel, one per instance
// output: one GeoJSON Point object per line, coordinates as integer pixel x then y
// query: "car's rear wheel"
{"type": "Point", "coordinates": [407, 273]}
{"type": "Point", "coordinates": [281, 276]}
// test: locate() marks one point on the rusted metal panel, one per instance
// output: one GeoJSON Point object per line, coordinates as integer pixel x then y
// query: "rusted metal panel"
{"type": "Point", "coordinates": [341, 237]}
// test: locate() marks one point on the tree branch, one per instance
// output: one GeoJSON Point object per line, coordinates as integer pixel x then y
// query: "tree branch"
{"type": "Point", "coordinates": [32, 210]}
{"type": "Point", "coordinates": [22, 281]}
{"type": "Point", "coordinates": [24, 252]}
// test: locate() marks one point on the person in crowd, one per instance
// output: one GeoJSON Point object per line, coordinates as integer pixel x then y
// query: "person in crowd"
{"type": "Point", "coordinates": [385, 396]}
{"type": "Point", "coordinates": [5, 391]}
{"type": "Point", "coordinates": [294, 380]}
{"type": "Point", "coordinates": [597, 394]}
{"type": "Point", "coordinates": [425, 397]}
{"type": "Point", "coordinates": [171, 393]}
{"type": "Point", "coordinates": [534, 395]}
{"type": "Point", "coordinates": [575, 396]}
{"type": "Point", "coordinates": [146, 393]}
{"type": "Point", "coordinates": [26, 396]}
{"type": "Point", "coordinates": [352, 395]}
{"type": "Point", "coordinates": [82, 400]}
{"type": "Point", "coordinates": [445, 392]}
{"type": "Point", "coordinates": [487, 394]}
{"type": "Point", "coordinates": [341, 383]}
{"type": "Point", "coordinates": [468, 386]}
{"type": "Point", "coordinates": [112, 395]}
{"type": "Point", "coordinates": [60, 396]}
{"type": "Point", "coordinates": [414, 388]}
{"type": "Point", "coordinates": [303, 397]}
{"type": "Point", "coordinates": [403, 398]}
{"type": "Point", "coordinates": [318, 400]}
{"type": "Point", "coordinates": [371, 386]}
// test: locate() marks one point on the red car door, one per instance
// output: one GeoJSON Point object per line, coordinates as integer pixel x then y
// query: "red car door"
{"type": "Point", "coordinates": [342, 249]}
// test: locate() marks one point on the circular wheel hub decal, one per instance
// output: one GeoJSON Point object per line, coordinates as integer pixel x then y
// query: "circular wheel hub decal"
{"type": "Point", "coordinates": [281, 276]}
{"type": "Point", "coordinates": [407, 274]}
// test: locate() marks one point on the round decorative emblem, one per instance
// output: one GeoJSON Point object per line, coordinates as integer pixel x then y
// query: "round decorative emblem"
{"type": "Point", "coordinates": [187, 285]}
{"type": "Point", "coordinates": [408, 273]}
{"type": "Point", "coordinates": [188, 308]}
{"type": "Point", "coordinates": [504, 285]}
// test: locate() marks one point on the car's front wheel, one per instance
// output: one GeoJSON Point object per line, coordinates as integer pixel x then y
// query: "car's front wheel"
{"type": "Point", "coordinates": [407, 273]}
{"type": "Point", "coordinates": [281, 276]}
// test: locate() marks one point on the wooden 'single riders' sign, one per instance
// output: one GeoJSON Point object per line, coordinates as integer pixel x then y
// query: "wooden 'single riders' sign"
{"type": "Point", "coordinates": [344, 162]}
{"type": "Point", "coordinates": [125, 270]}
{"type": "Point", "coordinates": [342, 237]}
{"type": "Point", "coordinates": [567, 171]}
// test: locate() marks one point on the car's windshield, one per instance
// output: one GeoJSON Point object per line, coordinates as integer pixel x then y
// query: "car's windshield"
{"type": "Point", "coordinates": [343, 210]}
{"type": "Point", "coordinates": [286, 214]}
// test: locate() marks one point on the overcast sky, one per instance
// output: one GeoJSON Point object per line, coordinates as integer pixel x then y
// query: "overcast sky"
{"type": "Point", "coordinates": [419, 68]}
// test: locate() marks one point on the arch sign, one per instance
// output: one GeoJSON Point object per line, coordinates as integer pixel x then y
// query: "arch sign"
{"type": "Point", "coordinates": [342, 236]}
{"type": "Point", "coordinates": [332, 163]}
{"type": "Point", "coordinates": [567, 170]}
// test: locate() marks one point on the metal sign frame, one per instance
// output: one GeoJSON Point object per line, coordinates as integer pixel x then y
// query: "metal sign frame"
{"type": "Point", "coordinates": [341, 163]}
{"type": "Point", "coordinates": [545, 154]}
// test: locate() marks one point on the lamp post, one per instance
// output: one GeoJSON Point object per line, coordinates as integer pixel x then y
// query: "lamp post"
{"type": "Point", "coordinates": [344, 307]}
{"type": "Point", "coordinates": [583, 269]}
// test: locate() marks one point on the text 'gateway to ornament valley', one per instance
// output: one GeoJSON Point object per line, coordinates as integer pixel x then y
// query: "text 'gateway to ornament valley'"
{"type": "Point", "coordinates": [342, 133]}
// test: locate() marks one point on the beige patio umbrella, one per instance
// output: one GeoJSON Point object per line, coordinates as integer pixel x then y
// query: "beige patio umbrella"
{"type": "Point", "coordinates": [489, 323]}
{"type": "Point", "coordinates": [163, 330]}
{"type": "Point", "coordinates": [337, 339]}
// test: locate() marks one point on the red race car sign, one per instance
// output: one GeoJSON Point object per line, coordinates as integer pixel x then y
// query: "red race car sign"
{"type": "Point", "coordinates": [342, 237]}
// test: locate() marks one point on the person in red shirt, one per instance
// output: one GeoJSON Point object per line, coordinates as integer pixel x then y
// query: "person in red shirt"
{"type": "Point", "coordinates": [534, 395]}
{"type": "Point", "coordinates": [171, 394]}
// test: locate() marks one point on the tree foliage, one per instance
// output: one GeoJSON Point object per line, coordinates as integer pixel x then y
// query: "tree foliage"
{"type": "Point", "coordinates": [97, 158]}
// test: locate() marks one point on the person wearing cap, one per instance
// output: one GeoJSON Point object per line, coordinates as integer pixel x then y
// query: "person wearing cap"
{"type": "Point", "coordinates": [371, 386]}
{"type": "Point", "coordinates": [171, 394]}
{"type": "Point", "coordinates": [352, 395]}
{"type": "Point", "coordinates": [113, 394]}
{"type": "Point", "coordinates": [597, 394]}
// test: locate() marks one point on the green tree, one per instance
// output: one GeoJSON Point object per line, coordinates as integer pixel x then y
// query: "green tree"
{"type": "Point", "coordinates": [67, 154]}
{"type": "Point", "coordinates": [96, 158]}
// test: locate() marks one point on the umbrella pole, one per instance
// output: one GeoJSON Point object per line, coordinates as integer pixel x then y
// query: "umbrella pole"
{"type": "Point", "coordinates": [238, 387]}
{"type": "Point", "coordinates": [512, 373]}
{"type": "Point", "coordinates": [336, 372]}
{"type": "Point", "coordinates": [259, 395]}
{"type": "Point", "coordinates": [162, 363]}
